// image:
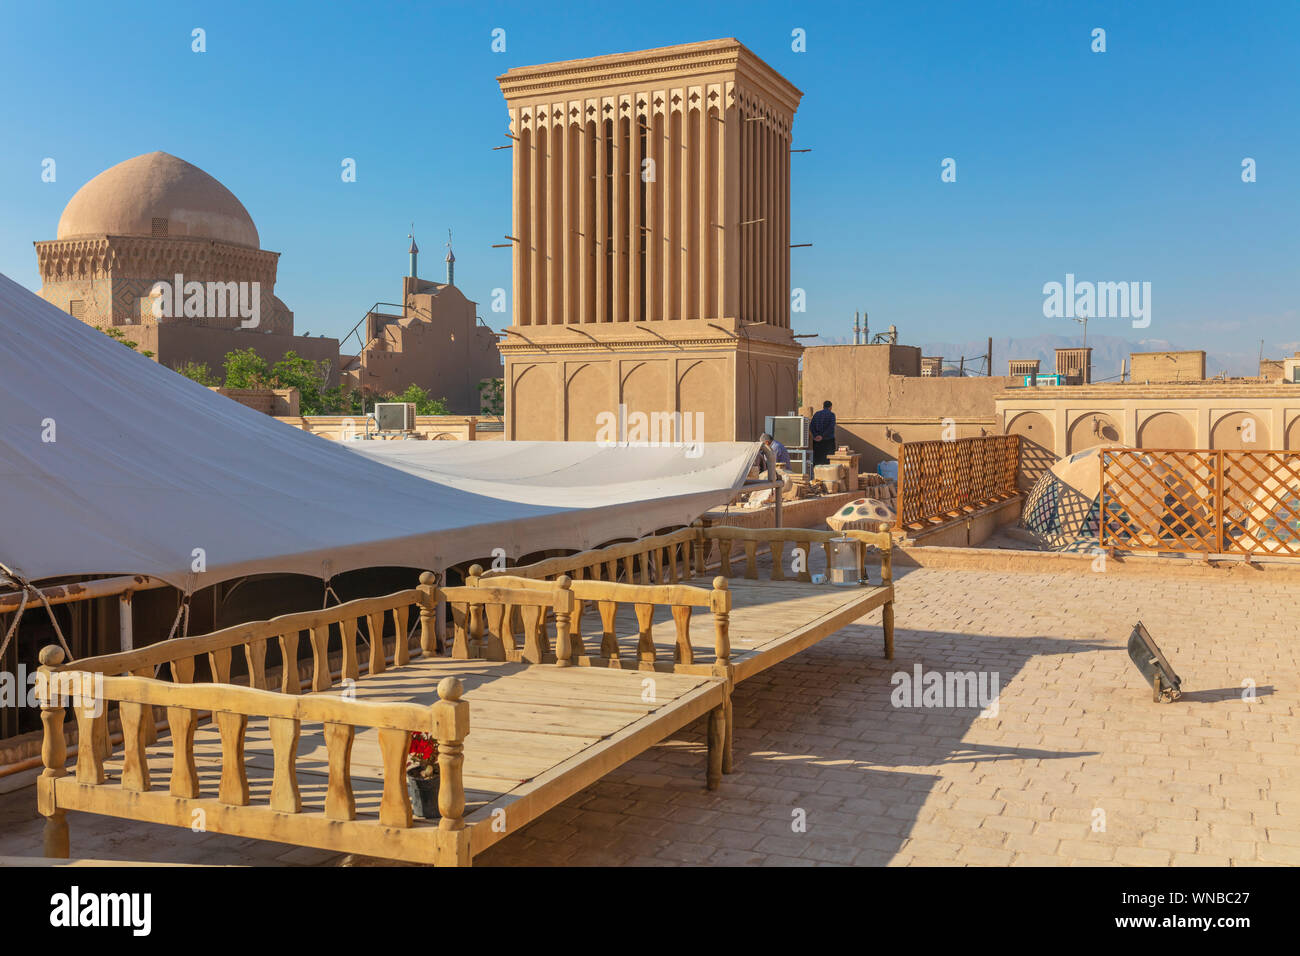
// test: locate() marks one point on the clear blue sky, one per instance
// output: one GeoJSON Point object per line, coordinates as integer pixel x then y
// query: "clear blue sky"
{"type": "Point", "coordinates": [1123, 165]}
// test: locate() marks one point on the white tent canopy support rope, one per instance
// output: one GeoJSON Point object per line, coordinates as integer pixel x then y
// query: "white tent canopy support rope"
{"type": "Point", "coordinates": [112, 464]}
{"type": "Point", "coordinates": [27, 588]}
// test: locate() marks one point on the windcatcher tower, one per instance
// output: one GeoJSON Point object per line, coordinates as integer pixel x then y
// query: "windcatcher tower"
{"type": "Point", "coordinates": [651, 235]}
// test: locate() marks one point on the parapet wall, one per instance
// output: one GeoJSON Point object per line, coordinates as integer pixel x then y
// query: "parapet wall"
{"type": "Point", "coordinates": [1167, 366]}
{"type": "Point", "coordinates": [268, 401]}
{"type": "Point", "coordinates": [427, 427]}
{"type": "Point", "coordinates": [876, 409]}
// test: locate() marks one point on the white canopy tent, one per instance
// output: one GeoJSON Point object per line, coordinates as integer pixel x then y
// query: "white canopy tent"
{"type": "Point", "coordinates": [112, 464]}
{"type": "Point", "coordinates": [562, 474]}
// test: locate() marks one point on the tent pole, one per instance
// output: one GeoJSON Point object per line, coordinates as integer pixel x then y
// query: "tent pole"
{"type": "Point", "coordinates": [126, 640]}
{"type": "Point", "coordinates": [440, 610]}
{"type": "Point", "coordinates": [767, 456]}
{"type": "Point", "coordinates": [85, 590]}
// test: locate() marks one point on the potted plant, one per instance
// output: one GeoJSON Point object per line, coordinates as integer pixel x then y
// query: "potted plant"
{"type": "Point", "coordinates": [422, 776]}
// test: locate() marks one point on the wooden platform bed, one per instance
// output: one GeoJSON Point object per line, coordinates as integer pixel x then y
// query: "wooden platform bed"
{"type": "Point", "coordinates": [768, 619]}
{"type": "Point", "coordinates": [524, 713]}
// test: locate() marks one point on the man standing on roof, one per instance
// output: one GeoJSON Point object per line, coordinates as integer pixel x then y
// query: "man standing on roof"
{"type": "Point", "coordinates": [822, 431]}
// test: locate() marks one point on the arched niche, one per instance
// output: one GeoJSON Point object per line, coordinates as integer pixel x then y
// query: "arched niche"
{"type": "Point", "coordinates": [1037, 446]}
{"type": "Point", "coordinates": [1166, 430]}
{"type": "Point", "coordinates": [1091, 429]}
{"type": "Point", "coordinates": [1237, 430]}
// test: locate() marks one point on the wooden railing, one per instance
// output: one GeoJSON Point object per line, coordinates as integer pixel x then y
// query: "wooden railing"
{"type": "Point", "coordinates": [803, 538]}
{"type": "Point", "coordinates": [570, 598]}
{"type": "Point", "coordinates": [336, 627]}
{"type": "Point", "coordinates": [684, 554]}
{"type": "Point", "coordinates": [665, 558]}
{"type": "Point", "coordinates": [340, 717]}
{"type": "Point", "coordinates": [488, 618]}
{"type": "Point", "coordinates": [775, 540]}
{"type": "Point", "coordinates": [939, 480]}
{"type": "Point", "coordinates": [652, 570]}
{"type": "Point", "coordinates": [1200, 500]}
{"type": "Point", "coordinates": [137, 695]}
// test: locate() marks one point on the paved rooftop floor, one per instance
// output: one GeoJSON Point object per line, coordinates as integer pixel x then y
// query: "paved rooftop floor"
{"type": "Point", "coordinates": [1078, 766]}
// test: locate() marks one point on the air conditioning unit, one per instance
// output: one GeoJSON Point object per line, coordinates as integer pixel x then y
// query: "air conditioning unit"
{"type": "Point", "coordinates": [790, 430]}
{"type": "Point", "coordinates": [395, 416]}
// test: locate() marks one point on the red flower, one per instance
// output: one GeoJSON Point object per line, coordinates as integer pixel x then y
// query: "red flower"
{"type": "Point", "coordinates": [423, 748]}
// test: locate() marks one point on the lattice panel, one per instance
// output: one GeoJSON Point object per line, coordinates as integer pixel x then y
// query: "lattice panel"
{"type": "Point", "coordinates": [941, 479]}
{"type": "Point", "coordinates": [1167, 500]}
{"type": "Point", "coordinates": [1160, 500]}
{"type": "Point", "coordinates": [1261, 501]}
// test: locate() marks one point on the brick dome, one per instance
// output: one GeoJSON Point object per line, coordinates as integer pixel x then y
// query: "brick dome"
{"type": "Point", "coordinates": [161, 196]}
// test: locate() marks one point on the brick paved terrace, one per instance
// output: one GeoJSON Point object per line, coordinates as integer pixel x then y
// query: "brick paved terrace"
{"type": "Point", "coordinates": [1078, 766]}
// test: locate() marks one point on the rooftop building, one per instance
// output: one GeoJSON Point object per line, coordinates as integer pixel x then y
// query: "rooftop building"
{"type": "Point", "coordinates": [651, 240]}
{"type": "Point", "coordinates": [157, 222]}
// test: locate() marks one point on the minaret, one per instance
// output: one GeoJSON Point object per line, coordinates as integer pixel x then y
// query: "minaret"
{"type": "Point", "coordinates": [451, 262]}
{"type": "Point", "coordinates": [415, 255]}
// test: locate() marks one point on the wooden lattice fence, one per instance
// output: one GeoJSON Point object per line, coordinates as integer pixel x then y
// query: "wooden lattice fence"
{"type": "Point", "coordinates": [1199, 500]}
{"type": "Point", "coordinates": [938, 480]}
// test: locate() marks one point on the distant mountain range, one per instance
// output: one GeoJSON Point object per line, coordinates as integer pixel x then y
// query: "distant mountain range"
{"type": "Point", "coordinates": [1107, 353]}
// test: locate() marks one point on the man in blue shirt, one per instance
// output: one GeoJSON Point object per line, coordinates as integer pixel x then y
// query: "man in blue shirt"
{"type": "Point", "coordinates": [822, 431]}
{"type": "Point", "coordinates": [778, 451]}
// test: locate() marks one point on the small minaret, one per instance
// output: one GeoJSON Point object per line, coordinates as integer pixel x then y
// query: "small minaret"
{"type": "Point", "coordinates": [451, 262]}
{"type": "Point", "coordinates": [415, 255]}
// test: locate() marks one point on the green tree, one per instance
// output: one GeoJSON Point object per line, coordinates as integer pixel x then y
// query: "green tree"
{"type": "Point", "coordinates": [308, 377]}
{"type": "Point", "coordinates": [198, 372]}
{"type": "Point", "coordinates": [246, 369]}
{"type": "Point", "coordinates": [424, 403]}
{"type": "Point", "coordinates": [334, 401]}
{"type": "Point", "coordinates": [117, 335]}
{"type": "Point", "coordinates": [492, 396]}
